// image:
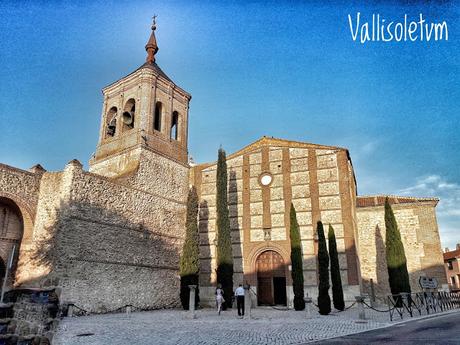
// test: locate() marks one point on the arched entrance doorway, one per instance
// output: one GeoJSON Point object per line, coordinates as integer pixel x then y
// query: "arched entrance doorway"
{"type": "Point", "coordinates": [271, 279]}
{"type": "Point", "coordinates": [11, 231]}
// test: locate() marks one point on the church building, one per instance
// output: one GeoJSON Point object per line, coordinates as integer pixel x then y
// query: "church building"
{"type": "Point", "coordinates": [112, 236]}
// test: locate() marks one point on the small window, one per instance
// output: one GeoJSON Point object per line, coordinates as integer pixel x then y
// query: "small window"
{"type": "Point", "coordinates": [452, 279]}
{"type": "Point", "coordinates": [174, 125]}
{"type": "Point", "coordinates": [111, 122]}
{"type": "Point", "coordinates": [450, 265]}
{"type": "Point", "coordinates": [265, 179]}
{"type": "Point", "coordinates": [157, 117]}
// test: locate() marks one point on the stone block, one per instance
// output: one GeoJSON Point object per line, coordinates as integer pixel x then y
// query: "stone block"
{"type": "Point", "coordinates": [300, 178]}
{"type": "Point", "coordinates": [277, 206]}
{"type": "Point", "coordinates": [327, 175]}
{"type": "Point", "coordinates": [275, 155]}
{"type": "Point", "coordinates": [329, 202]}
{"type": "Point", "coordinates": [328, 188]}
{"type": "Point", "coordinates": [255, 195]}
{"type": "Point", "coordinates": [276, 193]}
{"type": "Point", "coordinates": [304, 218]}
{"type": "Point", "coordinates": [278, 234]}
{"type": "Point", "coordinates": [299, 164]}
{"type": "Point", "coordinates": [255, 158]}
{"type": "Point", "coordinates": [257, 235]}
{"type": "Point", "coordinates": [256, 208]}
{"type": "Point", "coordinates": [330, 217]}
{"type": "Point", "coordinates": [306, 232]}
{"type": "Point", "coordinates": [277, 220]}
{"type": "Point", "coordinates": [326, 161]}
{"type": "Point", "coordinates": [276, 167]}
{"type": "Point", "coordinates": [303, 204]}
{"type": "Point", "coordinates": [300, 192]}
{"type": "Point", "coordinates": [298, 152]}
{"type": "Point", "coordinates": [256, 222]}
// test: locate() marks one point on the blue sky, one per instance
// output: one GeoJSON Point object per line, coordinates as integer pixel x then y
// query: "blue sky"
{"type": "Point", "coordinates": [282, 69]}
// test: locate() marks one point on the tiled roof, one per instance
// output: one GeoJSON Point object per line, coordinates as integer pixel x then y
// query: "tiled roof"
{"type": "Point", "coordinates": [379, 200]}
{"type": "Point", "coordinates": [452, 254]}
{"type": "Point", "coordinates": [157, 69]}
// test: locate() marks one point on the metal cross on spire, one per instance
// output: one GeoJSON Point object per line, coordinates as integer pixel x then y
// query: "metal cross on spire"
{"type": "Point", "coordinates": [151, 47]}
{"type": "Point", "coordinates": [154, 22]}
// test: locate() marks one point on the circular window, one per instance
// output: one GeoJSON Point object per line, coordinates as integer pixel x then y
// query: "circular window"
{"type": "Point", "coordinates": [266, 179]}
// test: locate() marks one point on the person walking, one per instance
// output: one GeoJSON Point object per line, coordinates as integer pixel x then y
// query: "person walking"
{"type": "Point", "coordinates": [239, 294]}
{"type": "Point", "coordinates": [219, 298]}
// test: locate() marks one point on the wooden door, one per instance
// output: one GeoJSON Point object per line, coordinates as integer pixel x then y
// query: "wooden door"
{"type": "Point", "coordinates": [269, 265]}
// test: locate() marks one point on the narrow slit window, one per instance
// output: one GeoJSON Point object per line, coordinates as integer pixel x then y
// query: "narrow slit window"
{"type": "Point", "coordinates": [157, 117]}
{"type": "Point", "coordinates": [174, 125]}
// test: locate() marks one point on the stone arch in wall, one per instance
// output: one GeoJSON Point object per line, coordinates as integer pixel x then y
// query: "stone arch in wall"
{"type": "Point", "coordinates": [14, 220]}
{"type": "Point", "coordinates": [111, 122]}
{"type": "Point", "coordinates": [27, 214]}
{"type": "Point", "coordinates": [128, 116]}
{"type": "Point", "coordinates": [271, 272]}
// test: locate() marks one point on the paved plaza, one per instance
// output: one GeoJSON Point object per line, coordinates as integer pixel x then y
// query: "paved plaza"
{"type": "Point", "coordinates": [168, 327]}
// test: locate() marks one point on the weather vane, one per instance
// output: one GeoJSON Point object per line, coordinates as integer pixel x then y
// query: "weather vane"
{"type": "Point", "coordinates": [154, 22]}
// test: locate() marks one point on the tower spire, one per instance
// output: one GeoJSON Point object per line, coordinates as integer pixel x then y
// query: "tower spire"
{"type": "Point", "coordinates": [151, 46]}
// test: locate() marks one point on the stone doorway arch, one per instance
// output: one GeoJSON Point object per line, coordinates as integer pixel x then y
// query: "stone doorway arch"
{"type": "Point", "coordinates": [271, 278]}
{"type": "Point", "coordinates": [11, 234]}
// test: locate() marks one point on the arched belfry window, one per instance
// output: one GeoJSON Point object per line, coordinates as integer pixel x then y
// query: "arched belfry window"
{"type": "Point", "coordinates": [128, 114]}
{"type": "Point", "coordinates": [157, 117]}
{"type": "Point", "coordinates": [174, 125]}
{"type": "Point", "coordinates": [111, 122]}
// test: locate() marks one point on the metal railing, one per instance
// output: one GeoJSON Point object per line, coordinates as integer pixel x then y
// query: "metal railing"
{"type": "Point", "coordinates": [422, 303]}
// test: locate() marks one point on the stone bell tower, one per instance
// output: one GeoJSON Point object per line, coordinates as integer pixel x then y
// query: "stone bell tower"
{"type": "Point", "coordinates": [144, 111]}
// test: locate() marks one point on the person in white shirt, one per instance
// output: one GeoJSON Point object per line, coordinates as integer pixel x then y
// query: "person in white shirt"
{"type": "Point", "coordinates": [239, 294]}
{"type": "Point", "coordinates": [219, 298]}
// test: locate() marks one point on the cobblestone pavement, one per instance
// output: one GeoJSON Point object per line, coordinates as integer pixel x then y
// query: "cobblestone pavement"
{"type": "Point", "coordinates": [168, 327]}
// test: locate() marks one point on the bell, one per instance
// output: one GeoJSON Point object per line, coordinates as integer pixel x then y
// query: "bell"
{"type": "Point", "coordinates": [128, 118]}
{"type": "Point", "coordinates": [111, 127]}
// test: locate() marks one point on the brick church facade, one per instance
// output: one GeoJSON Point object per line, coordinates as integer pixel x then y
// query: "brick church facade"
{"type": "Point", "coordinates": [112, 236]}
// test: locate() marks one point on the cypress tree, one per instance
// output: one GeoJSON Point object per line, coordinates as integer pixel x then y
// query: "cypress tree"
{"type": "Point", "coordinates": [189, 265]}
{"type": "Point", "coordinates": [396, 258]}
{"type": "Point", "coordinates": [324, 301]}
{"type": "Point", "coordinates": [296, 262]}
{"type": "Point", "coordinates": [337, 291]}
{"type": "Point", "coordinates": [224, 239]}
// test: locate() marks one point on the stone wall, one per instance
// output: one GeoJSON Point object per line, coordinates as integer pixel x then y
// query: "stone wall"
{"type": "Point", "coordinates": [419, 233]}
{"type": "Point", "coordinates": [19, 193]}
{"type": "Point", "coordinates": [108, 243]}
{"type": "Point", "coordinates": [318, 181]}
{"type": "Point", "coordinates": [118, 244]}
{"type": "Point", "coordinates": [37, 262]}
{"type": "Point", "coordinates": [22, 188]}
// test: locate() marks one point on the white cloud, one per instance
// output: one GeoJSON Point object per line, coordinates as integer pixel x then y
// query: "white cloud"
{"type": "Point", "coordinates": [448, 210]}
{"type": "Point", "coordinates": [361, 151]}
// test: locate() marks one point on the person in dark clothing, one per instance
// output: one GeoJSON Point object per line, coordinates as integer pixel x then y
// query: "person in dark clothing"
{"type": "Point", "coordinates": [239, 294]}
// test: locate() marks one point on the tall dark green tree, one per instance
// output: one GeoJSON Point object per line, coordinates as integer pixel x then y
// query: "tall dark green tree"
{"type": "Point", "coordinates": [337, 291]}
{"type": "Point", "coordinates": [296, 262]}
{"type": "Point", "coordinates": [224, 239]}
{"type": "Point", "coordinates": [324, 301]}
{"type": "Point", "coordinates": [189, 265]}
{"type": "Point", "coordinates": [396, 258]}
